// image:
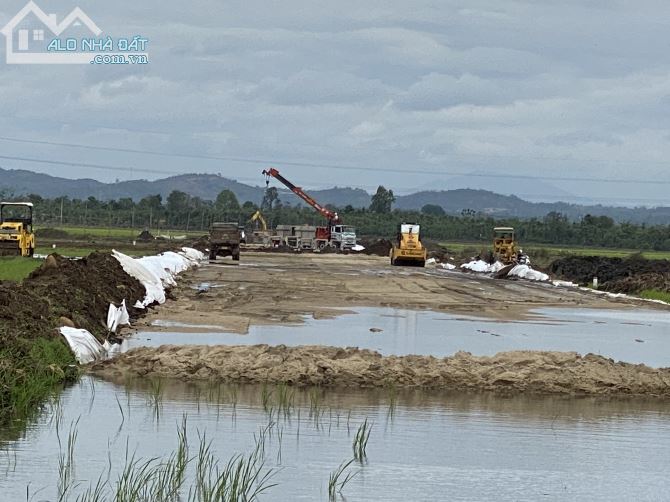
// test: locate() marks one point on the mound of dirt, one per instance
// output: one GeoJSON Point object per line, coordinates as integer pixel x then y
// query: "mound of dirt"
{"type": "Point", "coordinates": [617, 275]}
{"type": "Point", "coordinates": [80, 290]}
{"type": "Point", "coordinates": [435, 250]}
{"type": "Point", "coordinates": [379, 247]}
{"type": "Point", "coordinates": [201, 243]}
{"type": "Point", "coordinates": [145, 235]}
{"type": "Point", "coordinates": [507, 372]}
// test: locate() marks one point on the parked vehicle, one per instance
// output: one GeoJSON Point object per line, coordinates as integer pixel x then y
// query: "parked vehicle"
{"type": "Point", "coordinates": [224, 240]}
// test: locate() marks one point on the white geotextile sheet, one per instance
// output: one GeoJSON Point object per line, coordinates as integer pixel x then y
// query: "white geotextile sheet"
{"type": "Point", "coordinates": [525, 272]}
{"type": "Point", "coordinates": [522, 271]}
{"type": "Point", "coordinates": [158, 272]}
{"type": "Point", "coordinates": [482, 266]}
{"type": "Point", "coordinates": [83, 344]}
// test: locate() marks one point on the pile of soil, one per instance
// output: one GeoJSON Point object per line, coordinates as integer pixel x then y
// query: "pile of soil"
{"type": "Point", "coordinates": [379, 247]}
{"type": "Point", "coordinates": [506, 372]}
{"type": "Point", "coordinates": [440, 253]}
{"type": "Point", "coordinates": [79, 290]}
{"type": "Point", "coordinates": [201, 244]}
{"type": "Point", "coordinates": [617, 275]}
{"type": "Point", "coordinates": [145, 235]}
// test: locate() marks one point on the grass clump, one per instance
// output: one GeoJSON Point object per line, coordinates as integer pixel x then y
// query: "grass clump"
{"type": "Point", "coordinates": [339, 478]}
{"type": "Point", "coordinates": [655, 294]}
{"type": "Point", "coordinates": [30, 371]}
{"type": "Point", "coordinates": [361, 441]}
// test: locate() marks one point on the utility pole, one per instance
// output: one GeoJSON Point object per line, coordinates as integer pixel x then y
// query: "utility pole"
{"type": "Point", "coordinates": [61, 212]}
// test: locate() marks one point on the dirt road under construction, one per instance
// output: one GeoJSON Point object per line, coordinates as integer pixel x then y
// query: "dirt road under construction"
{"type": "Point", "coordinates": [269, 288]}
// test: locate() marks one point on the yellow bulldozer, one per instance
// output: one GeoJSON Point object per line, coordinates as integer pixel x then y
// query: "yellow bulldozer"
{"type": "Point", "coordinates": [408, 250]}
{"type": "Point", "coordinates": [504, 245]}
{"type": "Point", "coordinates": [16, 229]}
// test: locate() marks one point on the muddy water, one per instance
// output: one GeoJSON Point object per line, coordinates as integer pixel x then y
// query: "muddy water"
{"type": "Point", "coordinates": [423, 446]}
{"type": "Point", "coordinates": [636, 336]}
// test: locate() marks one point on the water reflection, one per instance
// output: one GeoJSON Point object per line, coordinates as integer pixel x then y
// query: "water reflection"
{"type": "Point", "coordinates": [423, 445]}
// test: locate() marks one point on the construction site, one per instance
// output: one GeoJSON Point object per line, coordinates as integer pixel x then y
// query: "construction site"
{"type": "Point", "coordinates": [298, 339]}
{"type": "Point", "coordinates": [334, 251]}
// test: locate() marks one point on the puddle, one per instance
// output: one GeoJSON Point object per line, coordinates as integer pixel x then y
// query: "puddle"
{"type": "Point", "coordinates": [160, 323]}
{"type": "Point", "coordinates": [423, 446]}
{"type": "Point", "coordinates": [604, 332]}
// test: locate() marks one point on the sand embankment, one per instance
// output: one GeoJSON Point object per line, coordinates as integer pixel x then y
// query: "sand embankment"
{"type": "Point", "coordinates": [507, 372]}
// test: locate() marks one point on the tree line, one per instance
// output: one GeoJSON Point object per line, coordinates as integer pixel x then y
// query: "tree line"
{"type": "Point", "coordinates": [180, 211]}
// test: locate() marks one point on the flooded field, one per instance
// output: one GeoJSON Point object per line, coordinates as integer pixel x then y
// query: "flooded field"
{"type": "Point", "coordinates": [422, 446]}
{"type": "Point", "coordinates": [632, 335]}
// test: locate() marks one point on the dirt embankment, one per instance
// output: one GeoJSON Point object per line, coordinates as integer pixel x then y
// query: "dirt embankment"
{"type": "Point", "coordinates": [80, 290]}
{"type": "Point", "coordinates": [617, 275]}
{"type": "Point", "coordinates": [508, 372]}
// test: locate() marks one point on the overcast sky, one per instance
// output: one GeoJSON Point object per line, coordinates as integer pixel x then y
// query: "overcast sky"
{"type": "Point", "coordinates": [572, 89]}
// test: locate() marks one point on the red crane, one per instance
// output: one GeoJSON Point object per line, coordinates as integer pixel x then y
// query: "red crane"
{"type": "Point", "coordinates": [333, 218]}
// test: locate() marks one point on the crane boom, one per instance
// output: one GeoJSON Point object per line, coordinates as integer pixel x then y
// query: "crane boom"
{"type": "Point", "coordinates": [332, 217]}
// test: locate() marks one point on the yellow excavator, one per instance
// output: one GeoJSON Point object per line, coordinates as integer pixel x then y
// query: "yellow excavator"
{"type": "Point", "coordinates": [408, 250]}
{"type": "Point", "coordinates": [258, 217]}
{"type": "Point", "coordinates": [16, 229]}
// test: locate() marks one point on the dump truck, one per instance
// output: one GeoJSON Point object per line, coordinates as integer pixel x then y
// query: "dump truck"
{"type": "Point", "coordinates": [408, 249]}
{"type": "Point", "coordinates": [504, 245]}
{"type": "Point", "coordinates": [16, 229]}
{"type": "Point", "coordinates": [224, 240]}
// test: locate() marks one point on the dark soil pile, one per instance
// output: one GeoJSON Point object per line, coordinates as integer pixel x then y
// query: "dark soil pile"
{"type": "Point", "coordinates": [379, 247]}
{"type": "Point", "coordinates": [440, 253]}
{"type": "Point", "coordinates": [80, 290]}
{"type": "Point", "coordinates": [145, 235]}
{"type": "Point", "coordinates": [201, 244]}
{"type": "Point", "coordinates": [617, 275]}
{"type": "Point", "coordinates": [33, 358]}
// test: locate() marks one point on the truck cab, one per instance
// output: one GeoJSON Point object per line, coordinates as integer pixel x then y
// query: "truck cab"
{"type": "Point", "coordinates": [343, 236]}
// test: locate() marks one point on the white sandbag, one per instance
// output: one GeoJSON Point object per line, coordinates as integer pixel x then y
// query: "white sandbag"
{"type": "Point", "coordinates": [431, 261]}
{"type": "Point", "coordinates": [358, 247]}
{"type": "Point", "coordinates": [117, 316]}
{"type": "Point", "coordinates": [83, 344]}
{"type": "Point", "coordinates": [446, 266]}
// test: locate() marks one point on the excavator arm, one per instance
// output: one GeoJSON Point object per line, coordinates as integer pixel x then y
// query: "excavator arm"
{"type": "Point", "coordinates": [258, 216]}
{"type": "Point", "coordinates": [332, 217]}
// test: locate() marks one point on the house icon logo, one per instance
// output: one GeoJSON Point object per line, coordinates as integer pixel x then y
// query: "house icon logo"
{"type": "Point", "coordinates": [28, 33]}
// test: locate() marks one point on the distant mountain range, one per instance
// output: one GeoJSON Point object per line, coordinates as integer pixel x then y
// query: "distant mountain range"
{"type": "Point", "coordinates": [208, 186]}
